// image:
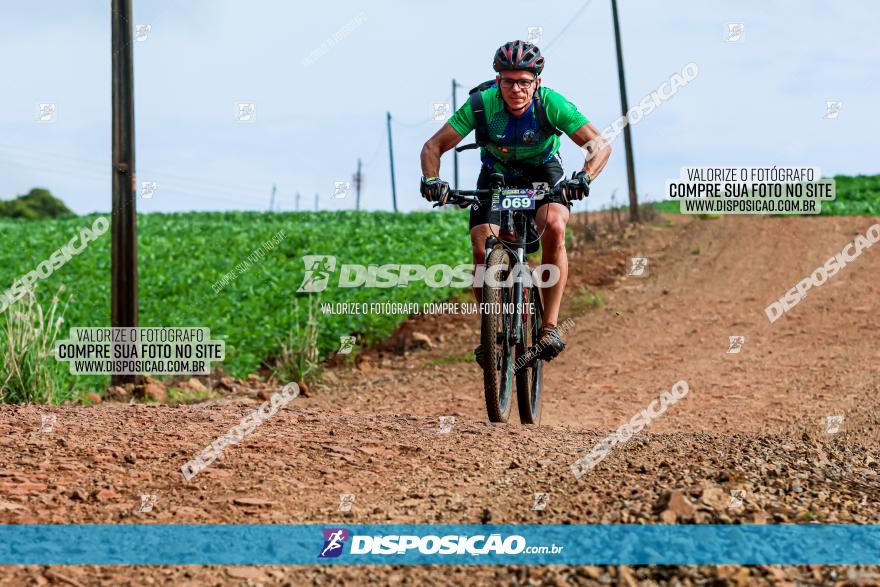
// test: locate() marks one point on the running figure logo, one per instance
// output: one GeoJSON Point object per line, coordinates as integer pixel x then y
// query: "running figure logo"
{"type": "Point", "coordinates": [735, 344]}
{"type": "Point", "coordinates": [541, 500]}
{"type": "Point", "coordinates": [735, 32]}
{"type": "Point", "coordinates": [832, 108]}
{"type": "Point", "coordinates": [346, 344]}
{"type": "Point", "coordinates": [334, 540]}
{"type": "Point", "coordinates": [736, 498]}
{"type": "Point", "coordinates": [638, 267]}
{"type": "Point", "coordinates": [147, 503]}
{"type": "Point", "coordinates": [318, 269]}
{"type": "Point", "coordinates": [47, 422]}
{"type": "Point", "coordinates": [832, 424]}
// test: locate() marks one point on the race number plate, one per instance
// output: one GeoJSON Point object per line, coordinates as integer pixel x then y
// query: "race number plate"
{"type": "Point", "coordinates": [514, 199]}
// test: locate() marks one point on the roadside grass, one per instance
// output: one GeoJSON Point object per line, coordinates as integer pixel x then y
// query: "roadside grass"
{"type": "Point", "coordinates": [29, 372]}
{"type": "Point", "coordinates": [178, 395]}
{"type": "Point", "coordinates": [585, 299]}
{"type": "Point", "coordinates": [451, 359]}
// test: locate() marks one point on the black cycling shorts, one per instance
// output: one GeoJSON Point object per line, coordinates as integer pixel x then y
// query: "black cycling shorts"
{"type": "Point", "coordinates": [550, 172]}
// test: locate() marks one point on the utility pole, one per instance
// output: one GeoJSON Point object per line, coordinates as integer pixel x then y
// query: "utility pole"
{"type": "Point", "coordinates": [627, 136]}
{"type": "Point", "coordinates": [358, 178]}
{"type": "Point", "coordinates": [123, 220]}
{"type": "Point", "coordinates": [297, 201]}
{"type": "Point", "coordinates": [454, 152]}
{"type": "Point", "coordinates": [272, 199]}
{"type": "Point", "coordinates": [316, 201]}
{"type": "Point", "coordinates": [391, 159]}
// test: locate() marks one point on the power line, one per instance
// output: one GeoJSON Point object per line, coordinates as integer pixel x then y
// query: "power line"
{"type": "Point", "coordinates": [163, 187]}
{"type": "Point", "coordinates": [103, 174]}
{"type": "Point", "coordinates": [424, 122]}
{"type": "Point", "coordinates": [570, 22]}
{"type": "Point", "coordinates": [411, 124]}
{"type": "Point", "coordinates": [372, 158]}
{"type": "Point", "coordinates": [103, 169]}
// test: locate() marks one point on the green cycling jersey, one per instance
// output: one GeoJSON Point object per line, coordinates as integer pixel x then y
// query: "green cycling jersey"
{"type": "Point", "coordinates": [517, 138]}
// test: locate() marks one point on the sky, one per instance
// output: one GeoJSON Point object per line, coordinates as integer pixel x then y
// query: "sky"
{"type": "Point", "coordinates": [322, 77]}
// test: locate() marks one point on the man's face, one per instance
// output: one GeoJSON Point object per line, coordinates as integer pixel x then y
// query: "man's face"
{"type": "Point", "coordinates": [515, 97]}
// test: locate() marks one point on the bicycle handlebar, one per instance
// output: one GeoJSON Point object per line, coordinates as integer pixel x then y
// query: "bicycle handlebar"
{"type": "Point", "coordinates": [468, 197]}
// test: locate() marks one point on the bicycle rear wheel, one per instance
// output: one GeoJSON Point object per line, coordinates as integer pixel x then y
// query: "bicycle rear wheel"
{"type": "Point", "coordinates": [529, 377]}
{"type": "Point", "coordinates": [495, 327]}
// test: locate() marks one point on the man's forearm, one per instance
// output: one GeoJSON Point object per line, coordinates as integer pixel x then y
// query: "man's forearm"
{"type": "Point", "coordinates": [430, 161]}
{"type": "Point", "coordinates": [594, 165]}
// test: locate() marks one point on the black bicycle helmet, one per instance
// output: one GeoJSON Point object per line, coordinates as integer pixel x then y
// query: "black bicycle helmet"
{"type": "Point", "coordinates": [518, 55]}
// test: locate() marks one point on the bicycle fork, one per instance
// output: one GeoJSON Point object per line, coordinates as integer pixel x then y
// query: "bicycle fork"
{"type": "Point", "coordinates": [515, 334]}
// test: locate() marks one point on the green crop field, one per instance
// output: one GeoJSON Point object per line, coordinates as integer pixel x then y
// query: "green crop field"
{"type": "Point", "coordinates": [856, 196]}
{"type": "Point", "coordinates": [181, 256]}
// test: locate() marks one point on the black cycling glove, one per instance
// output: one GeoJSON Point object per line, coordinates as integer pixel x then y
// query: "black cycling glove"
{"type": "Point", "coordinates": [434, 189]}
{"type": "Point", "coordinates": [578, 186]}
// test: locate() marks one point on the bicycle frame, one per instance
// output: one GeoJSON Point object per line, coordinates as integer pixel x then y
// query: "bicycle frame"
{"type": "Point", "coordinates": [513, 222]}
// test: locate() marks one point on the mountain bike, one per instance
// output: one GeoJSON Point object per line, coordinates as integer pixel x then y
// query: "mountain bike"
{"type": "Point", "coordinates": [511, 309]}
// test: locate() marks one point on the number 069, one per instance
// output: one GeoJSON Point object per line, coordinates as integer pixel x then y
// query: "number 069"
{"type": "Point", "coordinates": [514, 202]}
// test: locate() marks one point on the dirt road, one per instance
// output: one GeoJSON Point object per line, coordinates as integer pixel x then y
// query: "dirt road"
{"type": "Point", "coordinates": [751, 442]}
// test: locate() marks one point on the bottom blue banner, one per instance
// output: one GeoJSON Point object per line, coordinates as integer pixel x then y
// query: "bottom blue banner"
{"type": "Point", "coordinates": [189, 544]}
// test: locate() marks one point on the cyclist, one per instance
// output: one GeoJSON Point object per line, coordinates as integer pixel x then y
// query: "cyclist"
{"type": "Point", "coordinates": [518, 123]}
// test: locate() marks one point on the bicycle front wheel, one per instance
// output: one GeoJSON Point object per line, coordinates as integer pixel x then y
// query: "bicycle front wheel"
{"type": "Point", "coordinates": [495, 333]}
{"type": "Point", "coordinates": [529, 375]}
